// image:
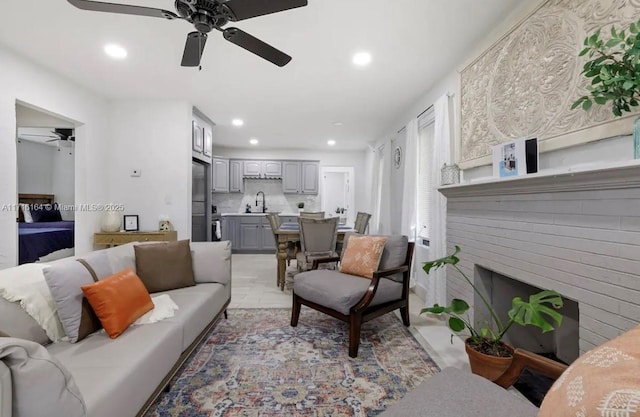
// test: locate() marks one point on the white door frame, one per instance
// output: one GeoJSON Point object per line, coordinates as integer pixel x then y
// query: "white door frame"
{"type": "Point", "coordinates": [351, 206]}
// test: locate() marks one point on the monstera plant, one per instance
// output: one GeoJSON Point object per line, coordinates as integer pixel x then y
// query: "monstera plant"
{"type": "Point", "coordinates": [485, 337]}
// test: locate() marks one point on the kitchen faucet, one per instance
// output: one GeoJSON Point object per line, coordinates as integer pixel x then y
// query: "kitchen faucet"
{"type": "Point", "coordinates": [264, 208]}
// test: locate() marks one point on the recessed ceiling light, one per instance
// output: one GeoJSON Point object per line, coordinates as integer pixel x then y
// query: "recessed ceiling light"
{"type": "Point", "coordinates": [331, 142]}
{"type": "Point", "coordinates": [254, 141]}
{"type": "Point", "coordinates": [362, 59]}
{"type": "Point", "coordinates": [237, 122]}
{"type": "Point", "coordinates": [115, 51]}
{"type": "Point", "coordinates": [338, 123]}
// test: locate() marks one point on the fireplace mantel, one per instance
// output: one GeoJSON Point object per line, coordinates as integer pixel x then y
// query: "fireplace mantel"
{"type": "Point", "coordinates": [592, 177]}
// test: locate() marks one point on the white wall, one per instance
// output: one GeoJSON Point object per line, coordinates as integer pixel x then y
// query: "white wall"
{"type": "Point", "coordinates": [153, 136]}
{"type": "Point", "coordinates": [24, 81]}
{"type": "Point", "coordinates": [35, 165]}
{"type": "Point", "coordinates": [355, 159]}
{"type": "Point", "coordinates": [63, 179]}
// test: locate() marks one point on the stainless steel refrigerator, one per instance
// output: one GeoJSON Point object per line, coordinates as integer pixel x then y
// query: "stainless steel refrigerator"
{"type": "Point", "coordinates": [199, 202]}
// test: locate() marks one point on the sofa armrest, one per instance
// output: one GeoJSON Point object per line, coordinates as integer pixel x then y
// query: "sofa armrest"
{"type": "Point", "coordinates": [211, 261]}
{"type": "Point", "coordinates": [5, 391]}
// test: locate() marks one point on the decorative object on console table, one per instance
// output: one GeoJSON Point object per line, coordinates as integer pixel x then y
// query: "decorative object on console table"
{"type": "Point", "coordinates": [614, 66]}
{"type": "Point", "coordinates": [517, 157]}
{"type": "Point", "coordinates": [164, 224]}
{"type": "Point", "coordinates": [110, 221]}
{"type": "Point", "coordinates": [198, 141]}
{"type": "Point", "coordinates": [121, 238]}
{"type": "Point", "coordinates": [131, 223]}
{"type": "Point", "coordinates": [449, 174]}
{"type": "Point", "coordinates": [489, 356]}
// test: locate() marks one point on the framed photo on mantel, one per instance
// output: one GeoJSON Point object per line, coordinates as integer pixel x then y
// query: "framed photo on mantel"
{"type": "Point", "coordinates": [516, 157]}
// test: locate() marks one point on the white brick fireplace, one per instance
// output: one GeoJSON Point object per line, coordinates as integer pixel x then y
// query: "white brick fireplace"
{"type": "Point", "coordinates": [575, 232]}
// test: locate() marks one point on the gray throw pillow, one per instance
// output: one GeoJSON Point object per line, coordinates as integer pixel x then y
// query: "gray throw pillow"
{"type": "Point", "coordinates": [41, 386]}
{"type": "Point", "coordinates": [211, 261]}
{"type": "Point", "coordinates": [165, 266]}
{"type": "Point", "coordinates": [64, 280]}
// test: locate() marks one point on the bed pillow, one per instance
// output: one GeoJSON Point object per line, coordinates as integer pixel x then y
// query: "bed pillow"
{"type": "Point", "coordinates": [26, 213]}
{"type": "Point", "coordinates": [41, 385]}
{"type": "Point", "coordinates": [165, 265]}
{"type": "Point", "coordinates": [118, 301]}
{"type": "Point", "coordinates": [65, 280]}
{"type": "Point", "coordinates": [362, 255]}
{"type": "Point", "coordinates": [46, 215]}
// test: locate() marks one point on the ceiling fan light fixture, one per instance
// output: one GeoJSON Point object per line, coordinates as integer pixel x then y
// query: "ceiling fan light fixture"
{"type": "Point", "coordinates": [115, 51]}
{"type": "Point", "coordinates": [362, 59]}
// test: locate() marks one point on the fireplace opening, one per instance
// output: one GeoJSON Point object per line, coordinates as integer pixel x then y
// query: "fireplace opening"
{"type": "Point", "coordinates": [561, 344]}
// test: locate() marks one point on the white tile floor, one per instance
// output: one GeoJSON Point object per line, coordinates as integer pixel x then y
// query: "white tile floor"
{"type": "Point", "coordinates": [254, 286]}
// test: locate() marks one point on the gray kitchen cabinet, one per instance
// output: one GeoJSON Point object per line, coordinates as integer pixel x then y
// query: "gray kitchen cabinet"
{"type": "Point", "coordinates": [262, 169]}
{"type": "Point", "coordinates": [229, 231]}
{"type": "Point", "coordinates": [220, 175]}
{"type": "Point", "coordinates": [235, 177]}
{"type": "Point", "coordinates": [268, 240]}
{"type": "Point", "coordinates": [248, 234]}
{"type": "Point", "coordinates": [289, 219]}
{"type": "Point", "coordinates": [300, 177]}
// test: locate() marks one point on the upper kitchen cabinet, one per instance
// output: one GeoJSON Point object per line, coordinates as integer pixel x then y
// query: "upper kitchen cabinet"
{"type": "Point", "coordinates": [262, 169]}
{"type": "Point", "coordinates": [235, 177]}
{"type": "Point", "coordinates": [300, 177]}
{"type": "Point", "coordinates": [220, 175]}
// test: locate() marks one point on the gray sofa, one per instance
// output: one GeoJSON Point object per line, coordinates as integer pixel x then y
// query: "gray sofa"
{"type": "Point", "coordinates": [122, 377]}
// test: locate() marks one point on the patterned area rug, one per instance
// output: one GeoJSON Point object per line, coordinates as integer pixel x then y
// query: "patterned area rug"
{"type": "Point", "coordinates": [256, 365]}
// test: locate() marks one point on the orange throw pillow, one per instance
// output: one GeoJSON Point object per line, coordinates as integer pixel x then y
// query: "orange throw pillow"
{"type": "Point", "coordinates": [362, 255]}
{"type": "Point", "coordinates": [118, 300]}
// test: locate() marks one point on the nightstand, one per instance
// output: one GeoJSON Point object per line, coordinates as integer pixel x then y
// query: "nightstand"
{"type": "Point", "coordinates": [120, 238]}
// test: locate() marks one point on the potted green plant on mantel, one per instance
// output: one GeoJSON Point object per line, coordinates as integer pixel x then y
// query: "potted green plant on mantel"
{"type": "Point", "coordinates": [614, 70]}
{"type": "Point", "coordinates": [488, 355]}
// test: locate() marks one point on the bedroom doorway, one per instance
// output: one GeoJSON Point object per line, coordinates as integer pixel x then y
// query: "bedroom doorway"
{"type": "Point", "coordinates": [45, 151]}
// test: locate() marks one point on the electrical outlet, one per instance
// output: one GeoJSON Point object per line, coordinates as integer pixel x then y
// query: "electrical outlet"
{"type": "Point", "coordinates": [136, 173]}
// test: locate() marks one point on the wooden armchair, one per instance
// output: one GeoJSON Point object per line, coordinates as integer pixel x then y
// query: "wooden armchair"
{"type": "Point", "coordinates": [354, 299]}
{"type": "Point", "coordinates": [522, 360]}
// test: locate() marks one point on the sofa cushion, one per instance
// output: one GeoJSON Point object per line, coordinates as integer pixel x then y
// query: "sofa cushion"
{"type": "Point", "coordinates": [602, 382]}
{"type": "Point", "coordinates": [122, 257]}
{"type": "Point", "coordinates": [362, 255]}
{"type": "Point", "coordinates": [117, 376]}
{"type": "Point", "coordinates": [41, 386]}
{"type": "Point", "coordinates": [211, 261]}
{"type": "Point", "coordinates": [64, 280]}
{"type": "Point", "coordinates": [118, 301]}
{"type": "Point", "coordinates": [340, 291]}
{"type": "Point", "coordinates": [197, 306]}
{"type": "Point", "coordinates": [16, 322]}
{"type": "Point", "coordinates": [455, 393]}
{"type": "Point", "coordinates": [165, 266]}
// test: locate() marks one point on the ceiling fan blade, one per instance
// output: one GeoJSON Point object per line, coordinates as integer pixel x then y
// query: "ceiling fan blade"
{"type": "Point", "coordinates": [255, 45]}
{"type": "Point", "coordinates": [246, 9]}
{"type": "Point", "coordinates": [41, 136]}
{"type": "Point", "coordinates": [97, 6]}
{"type": "Point", "coordinates": [193, 49]}
{"type": "Point", "coordinates": [52, 140]}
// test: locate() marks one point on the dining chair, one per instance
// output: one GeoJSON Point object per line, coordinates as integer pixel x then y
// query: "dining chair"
{"type": "Point", "coordinates": [362, 221]}
{"type": "Point", "coordinates": [354, 299]}
{"type": "Point", "coordinates": [275, 222]}
{"type": "Point", "coordinates": [317, 239]}
{"type": "Point", "coordinates": [312, 214]}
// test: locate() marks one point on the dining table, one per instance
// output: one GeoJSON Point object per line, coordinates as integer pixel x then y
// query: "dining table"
{"type": "Point", "coordinates": [290, 232]}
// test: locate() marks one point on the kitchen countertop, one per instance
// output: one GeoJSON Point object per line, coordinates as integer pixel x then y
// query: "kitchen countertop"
{"type": "Point", "coordinates": [257, 214]}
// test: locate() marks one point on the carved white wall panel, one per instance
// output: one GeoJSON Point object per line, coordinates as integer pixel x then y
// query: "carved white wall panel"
{"type": "Point", "coordinates": [525, 84]}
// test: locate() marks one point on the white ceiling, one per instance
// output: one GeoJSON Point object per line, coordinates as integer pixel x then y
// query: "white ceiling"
{"type": "Point", "coordinates": [414, 43]}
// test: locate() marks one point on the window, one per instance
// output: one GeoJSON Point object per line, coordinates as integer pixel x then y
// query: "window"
{"type": "Point", "coordinates": [426, 133]}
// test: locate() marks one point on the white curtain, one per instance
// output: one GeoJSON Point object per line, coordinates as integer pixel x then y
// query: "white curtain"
{"type": "Point", "coordinates": [409, 214]}
{"type": "Point", "coordinates": [381, 220]}
{"type": "Point", "coordinates": [437, 286]}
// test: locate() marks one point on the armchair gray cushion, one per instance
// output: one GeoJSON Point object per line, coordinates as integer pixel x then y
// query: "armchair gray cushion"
{"type": "Point", "coordinates": [340, 291]}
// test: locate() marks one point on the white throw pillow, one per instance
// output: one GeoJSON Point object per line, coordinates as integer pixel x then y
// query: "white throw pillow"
{"type": "Point", "coordinates": [26, 213]}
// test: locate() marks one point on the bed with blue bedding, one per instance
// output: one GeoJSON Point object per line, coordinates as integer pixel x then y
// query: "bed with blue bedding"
{"type": "Point", "coordinates": [42, 237]}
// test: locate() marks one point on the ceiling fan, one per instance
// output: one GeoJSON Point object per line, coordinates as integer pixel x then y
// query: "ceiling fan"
{"type": "Point", "coordinates": [57, 134]}
{"type": "Point", "coordinates": [207, 15]}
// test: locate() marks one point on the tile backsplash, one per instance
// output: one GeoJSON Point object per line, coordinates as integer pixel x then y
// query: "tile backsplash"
{"type": "Point", "coordinates": [275, 199]}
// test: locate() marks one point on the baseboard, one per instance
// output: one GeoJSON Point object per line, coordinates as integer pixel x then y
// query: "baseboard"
{"type": "Point", "coordinates": [420, 291]}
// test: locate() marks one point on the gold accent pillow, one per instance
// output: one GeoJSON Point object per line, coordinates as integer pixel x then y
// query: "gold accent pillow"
{"type": "Point", "coordinates": [603, 382]}
{"type": "Point", "coordinates": [362, 255]}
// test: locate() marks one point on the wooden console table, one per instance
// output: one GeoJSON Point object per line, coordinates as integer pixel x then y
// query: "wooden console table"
{"type": "Point", "coordinates": [120, 238]}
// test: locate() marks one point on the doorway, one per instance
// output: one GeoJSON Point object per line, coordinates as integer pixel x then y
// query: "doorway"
{"type": "Point", "coordinates": [337, 193]}
{"type": "Point", "coordinates": [45, 152]}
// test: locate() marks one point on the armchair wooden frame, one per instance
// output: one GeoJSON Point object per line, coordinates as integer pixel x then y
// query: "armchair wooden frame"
{"type": "Point", "coordinates": [523, 359]}
{"type": "Point", "coordinates": [362, 312]}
